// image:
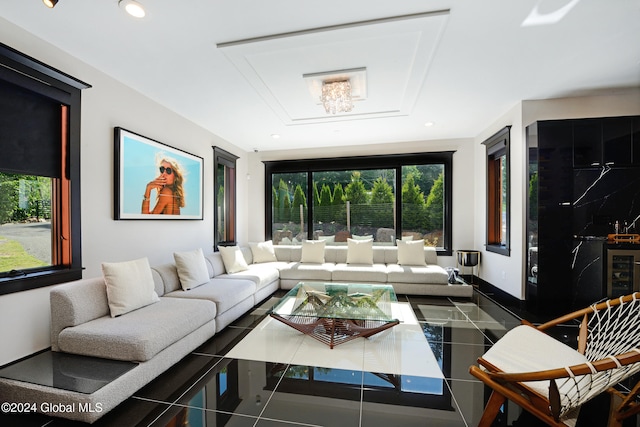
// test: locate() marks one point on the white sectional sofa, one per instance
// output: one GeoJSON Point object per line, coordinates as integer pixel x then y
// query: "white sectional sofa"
{"type": "Point", "coordinates": [176, 321]}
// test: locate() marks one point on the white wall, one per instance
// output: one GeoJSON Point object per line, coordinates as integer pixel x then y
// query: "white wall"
{"type": "Point", "coordinates": [463, 176]}
{"type": "Point", "coordinates": [24, 316]}
{"type": "Point", "coordinates": [502, 271]}
{"type": "Point", "coordinates": [507, 273]}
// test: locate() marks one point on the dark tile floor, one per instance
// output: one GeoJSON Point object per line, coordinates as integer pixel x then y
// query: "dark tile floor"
{"type": "Point", "coordinates": [208, 389]}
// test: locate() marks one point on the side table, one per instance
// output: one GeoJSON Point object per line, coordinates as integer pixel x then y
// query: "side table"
{"type": "Point", "coordinates": [469, 258]}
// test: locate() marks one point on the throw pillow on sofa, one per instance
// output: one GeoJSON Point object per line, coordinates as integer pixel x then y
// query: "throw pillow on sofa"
{"type": "Point", "coordinates": [263, 252]}
{"type": "Point", "coordinates": [313, 251]}
{"type": "Point", "coordinates": [233, 259]}
{"type": "Point", "coordinates": [359, 251]}
{"type": "Point", "coordinates": [129, 285]}
{"type": "Point", "coordinates": [192, 268]}
{"type": "Point", "coordinates": [411, 252]}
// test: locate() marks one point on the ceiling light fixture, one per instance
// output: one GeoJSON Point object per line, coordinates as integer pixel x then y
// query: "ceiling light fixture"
{"type": "Point", "coordinates": [336, 96]}
{"type": "Point", "coordinates": [50, 3]}
{"type": "Point", "coordinates": [132, 7]}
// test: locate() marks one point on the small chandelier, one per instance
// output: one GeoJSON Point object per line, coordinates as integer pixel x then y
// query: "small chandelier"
{"type": "Point", "coordinates": [336, 96]}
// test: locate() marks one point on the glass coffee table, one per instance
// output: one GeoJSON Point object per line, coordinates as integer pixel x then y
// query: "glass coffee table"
{"type": "Point", "coordinates": [334, 313]}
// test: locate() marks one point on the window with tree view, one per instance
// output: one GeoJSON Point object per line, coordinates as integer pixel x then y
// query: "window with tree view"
{"type": "Point", "coordinates": [25, 215]}
{"type": "Point", "coordinates": [398, 199]}
{"type": "Point", "coordinates": [40, 221]}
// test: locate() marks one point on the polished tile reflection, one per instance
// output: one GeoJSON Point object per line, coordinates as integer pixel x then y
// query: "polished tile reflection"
{"type": "Point", "coordinates": [262, 373]}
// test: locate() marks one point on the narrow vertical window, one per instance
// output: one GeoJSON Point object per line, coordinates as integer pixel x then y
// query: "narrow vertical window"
{"type": "Point", "coordinates": [498, 211]}
{"type": "Point", "coordinates": [224, 183]}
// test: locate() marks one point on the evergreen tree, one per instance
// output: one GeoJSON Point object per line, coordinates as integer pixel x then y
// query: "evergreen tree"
{"type": "Point", "coordinates": [286, 209]}
{"type": "Point", "coordinates": [355, 192]}
{"type": "Point", "coordinates": [338, 195]}
{"type": "Point", "coordinates": [381, 192]}
{"type": "Point", "coordinates": [298, 199]}
{"type": "Point", "coordinates": [435, 204]}
{"type": "Point", "coordinates": [382, 203]}
{"type": "Point", "coordinates": [413, 215]}
{"type": "Point", "coordinates": [324, 211]}
{"type": "Point", "coordinates": [339, 213]}
{"type": "Point", "coordinates": [316, 195]}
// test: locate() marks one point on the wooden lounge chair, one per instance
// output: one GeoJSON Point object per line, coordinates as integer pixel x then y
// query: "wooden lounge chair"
{"type": "Point", "coordinates": [552, 380]}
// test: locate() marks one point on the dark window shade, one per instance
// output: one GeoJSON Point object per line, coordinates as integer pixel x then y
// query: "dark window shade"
{"type": "Point", "coordinates": [30, 131]}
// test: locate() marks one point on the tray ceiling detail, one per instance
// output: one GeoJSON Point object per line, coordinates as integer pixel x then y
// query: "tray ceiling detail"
{"type": "Point", "coordinates": [396, 53]}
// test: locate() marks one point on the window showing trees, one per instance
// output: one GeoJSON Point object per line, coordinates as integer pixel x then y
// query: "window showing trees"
{"type": "Point", "coordinates": [336, 199]}
{"type": "Point", "coordinates": [498, 239]}
{"type": "Point", "coordinates": [40, 242]}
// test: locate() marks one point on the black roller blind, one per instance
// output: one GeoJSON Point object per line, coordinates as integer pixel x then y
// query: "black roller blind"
{"type": "Point", "coordinates": [30, 132]}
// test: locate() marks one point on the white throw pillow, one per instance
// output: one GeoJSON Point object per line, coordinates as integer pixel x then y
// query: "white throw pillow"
{"type": "Point", "coordinates": [129, 285]}
{"type": "Point", "coordinates": [411, 252]}
{"type": "Point", "coordinates": [192, 268]}
{"type": "Point", "coordinates": [233, 259]}
{"type": "Point", "coordinates": [359, 251]}
{"type": "Point", "coordinates": [313, 251]}
{"type": "Point", "coordinates": [365, 237]}
{"type": "Point", "coordinates": [406, 238]}
{"type": "Point", "coordinates": [328, 239]}
{"type": "Point", "coordinates": [263, 252]}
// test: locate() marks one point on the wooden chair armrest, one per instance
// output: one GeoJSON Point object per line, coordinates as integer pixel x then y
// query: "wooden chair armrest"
{"type": "Point", "coordinates": [552, 374]}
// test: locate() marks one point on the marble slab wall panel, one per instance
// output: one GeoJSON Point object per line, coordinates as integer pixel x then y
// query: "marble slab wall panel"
{"type": "Point", "coordinates": [602, 196]}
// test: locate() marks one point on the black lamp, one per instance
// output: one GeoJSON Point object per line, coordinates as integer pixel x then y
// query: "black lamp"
{"type": "Point", "coordinates": [50, 3]}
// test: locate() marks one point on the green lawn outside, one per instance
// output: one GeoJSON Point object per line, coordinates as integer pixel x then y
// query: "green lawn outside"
{"type": "Point", "coordinates": [14, 257]}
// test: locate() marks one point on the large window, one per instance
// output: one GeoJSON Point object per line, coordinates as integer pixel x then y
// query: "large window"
{"type": "Point", "coordinates": [498, 192]}
{"type": "Point", "coordinates": [39, 174]}
{"type": "Point", "coordinates": [380, 197]}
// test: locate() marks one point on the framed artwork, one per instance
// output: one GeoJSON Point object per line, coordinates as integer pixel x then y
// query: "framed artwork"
{"type": "Point", "coordinates": [154, 180]}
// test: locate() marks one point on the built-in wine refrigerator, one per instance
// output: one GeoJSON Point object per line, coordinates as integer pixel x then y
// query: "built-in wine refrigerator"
{"type": "Point", "coordinates": [623, 271]}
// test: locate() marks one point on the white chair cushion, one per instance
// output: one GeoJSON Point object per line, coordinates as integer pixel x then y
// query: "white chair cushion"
{"type": "Point", "coordinates": [526, 349]}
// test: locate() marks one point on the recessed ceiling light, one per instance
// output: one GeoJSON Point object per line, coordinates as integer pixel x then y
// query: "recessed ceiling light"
{"type": "Point", "coordinates": [133, 8]}
{"type": "Point", "coordinates": [275, 136]}
{"type": "Point", "coordinates": [429, 124]}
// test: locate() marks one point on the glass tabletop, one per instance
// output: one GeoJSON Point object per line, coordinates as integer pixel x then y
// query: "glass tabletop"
{"type": "Point", "coordinates": [66, 371]}
{"type": "Point", "coordinates": [354, 301]}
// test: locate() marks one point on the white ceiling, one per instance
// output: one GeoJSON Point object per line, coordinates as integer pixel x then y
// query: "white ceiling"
{"type": "Point", "coordinates": [236, 67]}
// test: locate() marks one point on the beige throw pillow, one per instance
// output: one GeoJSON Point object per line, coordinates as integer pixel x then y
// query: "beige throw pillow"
{"type": "Point", "coordinates": [129, 285]}
{"type": "Point", "coordinates": [233, 259]}
{"type": "Point", "coordinates": [192, 268]}
{"type": "Point", "coordinates": [263, 252]}
{"type": "Point", "coordinates": [359, 251]}
{"type": "Point", "coordinates": [313, 251]}
{"type": "Point", "coordinates": [411, 252]}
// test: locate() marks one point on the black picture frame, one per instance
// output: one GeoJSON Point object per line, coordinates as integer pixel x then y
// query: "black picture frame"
{"type": "Point", "coordinates": [137, 160]}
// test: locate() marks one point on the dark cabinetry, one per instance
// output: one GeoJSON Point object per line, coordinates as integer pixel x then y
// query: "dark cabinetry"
{"type": "Point", "coordinates": [612, 141]}
{"type": "Point", "coordinates": [583, 176]}
{"type": "Point", "coordinates": [549, 237]}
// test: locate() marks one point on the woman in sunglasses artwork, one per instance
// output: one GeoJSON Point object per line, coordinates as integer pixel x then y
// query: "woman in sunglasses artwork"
{"type": "Point", "coordinates": [169, 189]}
